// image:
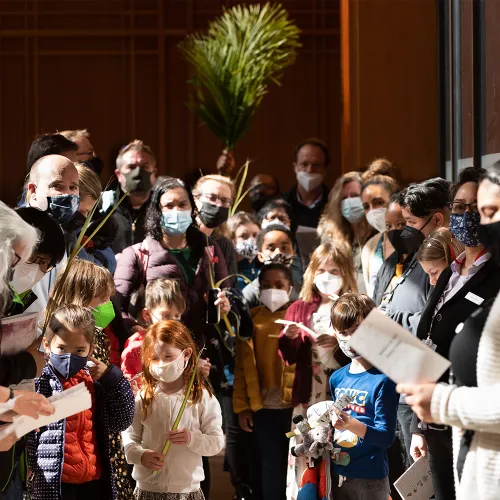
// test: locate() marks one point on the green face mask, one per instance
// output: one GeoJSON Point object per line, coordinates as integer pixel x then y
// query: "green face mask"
{"type": "Point", "coordinates": [104, 314]}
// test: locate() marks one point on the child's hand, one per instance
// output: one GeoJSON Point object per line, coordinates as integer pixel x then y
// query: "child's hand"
{"type": "Point", "coordinates": [245, 420]}
{"type": "Point", "coordinates": [292, 331]}
{"type": "Point", "coordinates": [347, 423]}
{"type": "Point", "coordinates": [180, 437]}
{"type": "Point", "coordinates": [204, 367]}
{"type": "Point", "coordinates": [135, 387]}
{"type": "Point", "coordinates": [152, 460]}
{"type": "Point", "coordinates": [99, 368]}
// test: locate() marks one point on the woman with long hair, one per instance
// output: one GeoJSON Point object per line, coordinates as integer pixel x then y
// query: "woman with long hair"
{"type": "Point", "coordinates": [343, 222]}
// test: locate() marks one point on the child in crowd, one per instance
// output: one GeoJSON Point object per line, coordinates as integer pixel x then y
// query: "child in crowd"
{"type": "Point", "coordinates": [330, 273]}
{"type": "Point", "coordinates": [71, 458]}
{"type": "Point", "coordinates": [437, 252]}
{"type": "Point", "coordinates": [89, 285]}
{"type": "Point", "coordinates": [243, 230]}
{"type": "Point", "coordinates": [262, 393]}
{"type": "Point", "coordinates": [275, 246]}
{"type": "Point", "coordinates": [169, 358]}
{"type": "Point", "coordinates": [369, 423]}
{"type": "Point", "coordinates": [164, 300]}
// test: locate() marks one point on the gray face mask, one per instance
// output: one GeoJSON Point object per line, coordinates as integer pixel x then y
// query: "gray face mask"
{"type": "Point", "coordinates": [347, 350]}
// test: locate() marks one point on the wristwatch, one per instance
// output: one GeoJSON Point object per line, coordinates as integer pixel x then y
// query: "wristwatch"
{"type": "Point", "coordinates": [11, 393]}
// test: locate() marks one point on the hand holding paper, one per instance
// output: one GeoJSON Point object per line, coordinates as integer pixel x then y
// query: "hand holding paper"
{"type": "Point", "coordinates": [416, 482]}
{"type": "Point", "coordinates": [396, 352]}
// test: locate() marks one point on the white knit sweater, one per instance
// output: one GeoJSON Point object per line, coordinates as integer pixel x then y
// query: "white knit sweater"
{"type": "Point", "coordinates": [477, 409]}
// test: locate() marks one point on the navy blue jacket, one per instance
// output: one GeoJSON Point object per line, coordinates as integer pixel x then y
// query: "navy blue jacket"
{"type": "Point", "coordinates": [113, 412]}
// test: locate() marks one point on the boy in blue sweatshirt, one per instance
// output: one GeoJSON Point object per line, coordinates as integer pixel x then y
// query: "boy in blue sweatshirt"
{"type": "Point", "coordinates": [366, 429]}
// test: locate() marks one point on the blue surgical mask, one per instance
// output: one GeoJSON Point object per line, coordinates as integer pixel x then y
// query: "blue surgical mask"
{"type": "Point", "coordinates": [176, 222]}
{"type": "Point", "coordinates": [67, 365]}
{"type": "Point", "coordinates": [464, 228]}
{"type": "Point", "coordinates": [63, 207]}
{"type": "Point", "coordinates": [352, 209]}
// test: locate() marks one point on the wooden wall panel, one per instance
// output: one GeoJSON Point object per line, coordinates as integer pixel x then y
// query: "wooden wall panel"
{"type": "Point", "coordinates": [389, 84]}
{"type": "Point", "coordinates": [113, 67]}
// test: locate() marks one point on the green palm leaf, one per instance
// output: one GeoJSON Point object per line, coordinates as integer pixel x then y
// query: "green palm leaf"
{"type": "Point", "coordinates": [245, 50]}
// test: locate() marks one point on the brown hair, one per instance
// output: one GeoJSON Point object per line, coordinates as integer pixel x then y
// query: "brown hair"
{"type": "Point", "coordinates": [239, 219]}
{"type": "Point", "coordinates": [135, 145]}
{"type": "Point", "coordinates": [69, 318]}
{"type": "Point", "coordinates": [90, 185]}
{"type": "Point", "coordinates": [332, 224]}
{"type": "Point", "coordinates": [176, 334]}
{"type": "Point", "coordinates": [84, 282]}
{"type": "Point", "coordinates": [350, 310]}
{"type": "Point", "coordinates": [164, 291]}
{"type": "Point", "coordinates": [341, 255]}
{"type": "Point", "coordinates": [439, 245]}
{"type": "Point", "coordinates": [380, 166]}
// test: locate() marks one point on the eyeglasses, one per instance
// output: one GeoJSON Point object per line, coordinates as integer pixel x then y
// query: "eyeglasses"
{"type": "Point", "coordinates": [457, 207]}
{"type": "Point", "coordinates": [17, 259]}
{"type": "Point", "coordinates": [213, 198]}
{"type": "Point", "coordinates": [43, 262]}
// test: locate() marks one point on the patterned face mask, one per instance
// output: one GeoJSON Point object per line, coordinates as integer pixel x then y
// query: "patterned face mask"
{"type": "Point", "coordinates": [247, 248]}
{"type": "Point", "coordinates": [278, 258]}
{"type": "Point", "coordinates": [464, 227]}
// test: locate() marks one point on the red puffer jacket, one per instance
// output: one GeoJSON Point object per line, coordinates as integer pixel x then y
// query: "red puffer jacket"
{"type": "Point", "coordinates": [81, 455]}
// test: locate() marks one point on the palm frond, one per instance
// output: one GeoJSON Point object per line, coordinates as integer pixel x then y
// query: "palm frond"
{"type": "Point", "coordinates": [245, 50]}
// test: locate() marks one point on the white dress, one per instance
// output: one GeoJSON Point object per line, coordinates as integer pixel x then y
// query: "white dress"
{"type": "Point", "coordinates": [323, 365]}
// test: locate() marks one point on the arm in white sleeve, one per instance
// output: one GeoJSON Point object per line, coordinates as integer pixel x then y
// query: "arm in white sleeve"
{"type": "Point", "coordinates": [132, 437]}
{"type": "Point", "coordinates": [209, 439]}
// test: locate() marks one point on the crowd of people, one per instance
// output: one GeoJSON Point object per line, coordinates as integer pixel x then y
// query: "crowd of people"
{"type": "Point", "coordinates": [248, 317]}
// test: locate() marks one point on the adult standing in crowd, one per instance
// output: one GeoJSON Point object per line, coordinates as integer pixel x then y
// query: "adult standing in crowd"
{"type": "Point", "coordinates": [375, 195]}
{"type": "Point", "coordinates": [344, 222]}
{"type": "Point", "coordinates": [472, 278]}
{"type": "Point", "coordinates": [309, 195]}
{"type": "Point", "coordinates": [214, 195]}
{"type": "Point", "coordinates": [53, 187]}
{"type": "Point", "coordinates": [136, 174]}
{"type": "Point", "coordinates": [51, 144]}
{"type": "Point", "coordinates": [263, 188]}
{"type": "Point", "coordinates": [18, 240]}
{"type": "Point", "coordinates": [425, 208]}
{"type": "Point", "coordinates": [98, 250]}
{"type": "Point", "coordinates": [85, 152]}
{"type": "Point", "coordinates": [470, 405]}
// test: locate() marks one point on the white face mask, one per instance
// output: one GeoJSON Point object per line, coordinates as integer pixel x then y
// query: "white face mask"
{"type": "Point", "coordinates": [346, 348]}
{"type": "Point", "coordinates": [328, 284]}
{"type": "Point", "coordinates": [308, 181]}
{"type": "Point", "coordinates": [274, 299]}
{"type": "Point", "coordinates": [376, 218]}
{"type": "Point", "coordinates": [171, 371]}
{"type": "Point", "coordinates": [26, 276]}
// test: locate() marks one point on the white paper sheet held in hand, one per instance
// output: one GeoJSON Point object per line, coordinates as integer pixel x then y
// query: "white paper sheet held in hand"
{"type": "Point", "coordinates": [416, 482]}
{"type": "Point", "coordinates": [66, 403]}
{"type": "Point", "coordinates": [396, 352]}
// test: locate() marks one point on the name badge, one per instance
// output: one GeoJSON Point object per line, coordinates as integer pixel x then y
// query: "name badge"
{"type": "Point", "coordinates": [474, 298]}
{"type": "Point", "coordinates": [429, 343]}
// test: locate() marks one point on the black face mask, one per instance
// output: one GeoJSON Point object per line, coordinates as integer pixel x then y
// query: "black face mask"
{"type": "Point", "coordinates": [213, 215]}
{"type": "Point", "coordinates": [412, 237]}
{"type": "Point", "coordinates": [95, 164]}
{"type": "Point", "coordinates": [395, 238]}
{"type": "Point", "coordinates": [259, 200]}
{"type": "Point", "coordinates": [489, 235]}
{"type": "Point", "coordinates": [138, 180]}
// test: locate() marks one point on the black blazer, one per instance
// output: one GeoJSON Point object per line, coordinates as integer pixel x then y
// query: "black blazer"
{"type": "Point", "coordinates": [485, 284]}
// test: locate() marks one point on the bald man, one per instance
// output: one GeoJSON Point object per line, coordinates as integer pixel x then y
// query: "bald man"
{"type": "Point", "coordinates": [53, 187]}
